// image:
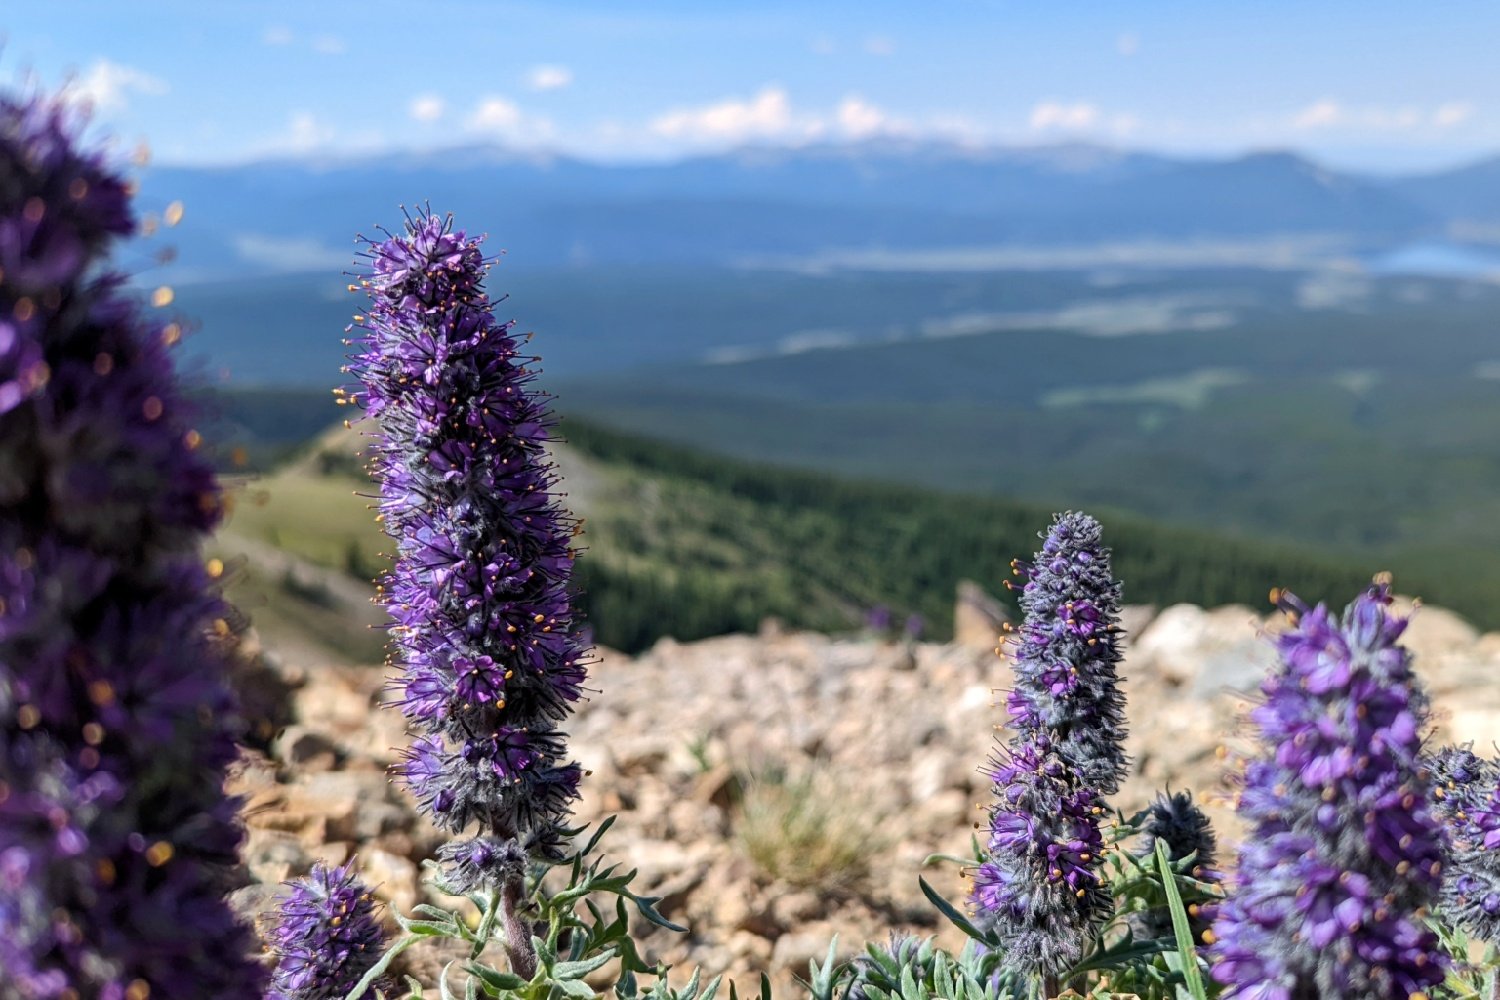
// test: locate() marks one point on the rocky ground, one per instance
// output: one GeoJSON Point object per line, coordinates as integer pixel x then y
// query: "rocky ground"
{"type": "Point", "coordinates": [781, 789]}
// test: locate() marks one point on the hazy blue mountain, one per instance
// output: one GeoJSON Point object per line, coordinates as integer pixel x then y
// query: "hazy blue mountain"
{"type": "Point", "coordinates": [1465, 194]}
{"type": "Point", "coordinates": [288, 216]}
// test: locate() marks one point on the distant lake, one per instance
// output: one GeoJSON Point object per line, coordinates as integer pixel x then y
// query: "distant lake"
{"type": "Point", "coordinates": [1451, 260]}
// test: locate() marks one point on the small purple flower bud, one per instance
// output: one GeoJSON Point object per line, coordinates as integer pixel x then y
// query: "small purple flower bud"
{"type": "Point", "coordinates": [1343, 855]}
{"type": "Point", "coordinates": [492, 658]}
{"type": "Point", "coordinates": [1067, 652]}
{"type": "Point", "coordinates": [326, 937]}
{"type": "Point", "coordinates": [1177, 822]}
{"type": "Point", "coordinates": [116, 721]}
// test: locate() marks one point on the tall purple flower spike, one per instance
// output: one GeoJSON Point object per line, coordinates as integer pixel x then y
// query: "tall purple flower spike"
{"type": "Point", "coordinates": [491, 660]}
{"type": "Point", "coordinates": [1343, 856]}
{"type": "Point", "coordinates": [115, 719]}
{"type": "Point", "coordinates": [1067, 651]}
{"type": "Point", "coordinates": [326, 937]}
{"type": "Point", "coordinates": [1038, 888]}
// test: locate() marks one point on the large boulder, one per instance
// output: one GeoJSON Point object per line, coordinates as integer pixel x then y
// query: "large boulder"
{"type": "Point", "coordinates": [978, 618]}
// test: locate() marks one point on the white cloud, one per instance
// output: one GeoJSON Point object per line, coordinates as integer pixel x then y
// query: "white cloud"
{"type": "Point", "coordinates": [1049, 115]}
{"type": "Point", "coordinates": [767, 114]}
{"type": "Point", "coordinates": [879, 46]}
{"type": "Point", "coordinates": [306, 133]}
{"type": "Point", "coordinates": [107, 86]}
{"type": "Point", "coordinates": [1328, 113]}
{"type": "Point", "coordinates": [1128, 44]}
{"type": "Point", "coordinates": [426, 107]}
{"type": "Point", "coordinates": [1319, 114]}
{"type": "Point", "coordinates": [857, 117]}
{"type": "Point", "coordinates": [277, 35]}
{"type": "Point", "coordinates": [822, 46]}
{"type": "Point", "coordinates": [329, 45]}
{"type": "Point", "coordinates": [1452, 113]}
{"type": "Point", "coordinates": [500, 116]}
{"type": "Point", "coordinates": [549, 77]}
{"type": "Point", "coordinates": [495, 114]}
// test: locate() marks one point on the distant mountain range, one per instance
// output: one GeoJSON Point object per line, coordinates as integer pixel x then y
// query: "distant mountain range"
{"type": "Point", "coordinates": [300, 215]}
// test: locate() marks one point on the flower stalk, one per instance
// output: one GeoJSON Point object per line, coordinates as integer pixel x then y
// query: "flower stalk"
{"type": "Point", "coordinates": [490, 659]}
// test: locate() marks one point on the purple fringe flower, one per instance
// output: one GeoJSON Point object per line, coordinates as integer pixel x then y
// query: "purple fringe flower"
{"type": "Point", "coordinates": [1343, 856]}
{"type": "Point", "coordinates": [326, 937]}
{"type": "Point", "coordinates": [1067, 651]}
{"type": "Point", "coordinates": [490, 657]}
{"type": "Point", "coordinates": [1038, 889]}
{"type": "Point", "coordinates": [1466, 801]}
{"type": "Point", "coordinates": [116, 724]}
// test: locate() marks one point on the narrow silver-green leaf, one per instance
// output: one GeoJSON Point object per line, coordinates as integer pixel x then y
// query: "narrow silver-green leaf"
{"type": "Point", "coordinates": [1180, 928]}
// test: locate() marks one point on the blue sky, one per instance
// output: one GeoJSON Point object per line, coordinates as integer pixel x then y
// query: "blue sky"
{"type": "Point", "coordinates": [1375, 85]}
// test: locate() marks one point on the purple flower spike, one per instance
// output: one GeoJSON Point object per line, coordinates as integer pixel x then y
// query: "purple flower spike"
{"type": "Point", "coordinates": [1038, 889]}
{"type": "Point", "coordinates": [1067, 651]}
{"type": "Point", "coordinates": [1466, 801]}
{"type": "Point", "coordinates": [326, 937]}
{"type": "Point", "coordinates": [116, 723]}
{"type": "Point", "coordinates": [491, 660]}
{"type": "Point", "coordinates": [1344, 855]}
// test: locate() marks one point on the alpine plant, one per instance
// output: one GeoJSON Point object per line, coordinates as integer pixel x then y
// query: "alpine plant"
{"type": "Point", "coordinates": [1038, 887]}
{"type": "Point", "coordinates": [116, 724]}
{"type": "Point", "coordinates": [1066, 652]}
{"type": "Point", "coordinates": [1343, 857]}
{"type": "Point", "coordinates": [326, 937]}
{"type": "Point", "coordinates": [484, 637]}
{"type": "Point", "coordinates": [1038, 890]}
{"type": "Point", "coordinates": [1466, 801]}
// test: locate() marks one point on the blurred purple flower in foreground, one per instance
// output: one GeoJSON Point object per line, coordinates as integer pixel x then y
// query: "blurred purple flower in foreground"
{"type": "Point", "coordinates": [1343, 856]}
{"type": "Point", "coordinates": [115, 720]}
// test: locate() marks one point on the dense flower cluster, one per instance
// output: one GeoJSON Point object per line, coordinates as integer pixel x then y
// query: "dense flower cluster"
{"type": "Point", "coordinates": [490, 657]}
{"type": "Point", "coordinates": [1466, 800]}
{"type": "Point", "coordinates": [326, 937]}
{"type": "Point", "coordinates": [1067, 651]}
{"type": "Point", "coordinates": [1343, 857]}
{"type": "Point", "coordinates": [115, 721]}
{"type": "Point", "coordinates": [1038, 889]}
